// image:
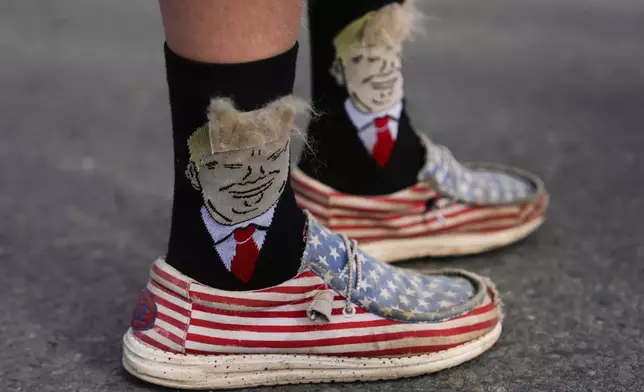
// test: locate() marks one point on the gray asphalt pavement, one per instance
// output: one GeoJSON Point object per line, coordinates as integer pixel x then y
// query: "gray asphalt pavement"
{"type": "Point", "coordinates": [553, 86]}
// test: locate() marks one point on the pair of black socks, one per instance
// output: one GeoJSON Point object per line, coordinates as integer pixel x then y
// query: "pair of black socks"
{"type": "Point", "coordinates": [339, 161]}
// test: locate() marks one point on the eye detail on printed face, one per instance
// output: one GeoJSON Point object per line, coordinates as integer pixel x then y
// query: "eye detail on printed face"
{"type": "Point", "coordinates": [373, 78]}
{"type": "Point", "coordinates": [240, 185]}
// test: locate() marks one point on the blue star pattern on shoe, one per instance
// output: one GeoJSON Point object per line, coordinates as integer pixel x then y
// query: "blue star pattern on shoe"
{"type": "Point", "coordinates": [474, 183]}
{"type": "Point", "coordinates": [389, 292]}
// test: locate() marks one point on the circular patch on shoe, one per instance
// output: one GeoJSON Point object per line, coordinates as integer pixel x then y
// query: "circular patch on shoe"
{"type": "Point", "coordinates": [145, 312]}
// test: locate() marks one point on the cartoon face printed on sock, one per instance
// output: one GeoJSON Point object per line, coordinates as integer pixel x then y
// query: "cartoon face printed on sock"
{"type": "Point", "coordinates": [373, 78]}
{"type": "Point", "coordinates": [368, 57]}
{"type": "Point", "coordinates": [240, 185]}
{"type": "Point", "coordinates": [239, 161]}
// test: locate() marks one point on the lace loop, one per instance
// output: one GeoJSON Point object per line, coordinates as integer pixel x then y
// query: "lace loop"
{"type": "Point", "coordinates": [439, 215]}
{"type": "Point", "coordinates": [349, 313]}
{"type": "Point", "coordinates": [355, 274]}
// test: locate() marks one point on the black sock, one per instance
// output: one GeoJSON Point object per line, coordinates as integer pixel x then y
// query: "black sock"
{"type": "Point", "coordinates": [251, 85]}
{"type": "Point", "coordinates": [339, 159]}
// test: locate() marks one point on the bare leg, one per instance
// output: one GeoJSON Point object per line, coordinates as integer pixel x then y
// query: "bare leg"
{"type": "Point", "coordinates": [230, 31]}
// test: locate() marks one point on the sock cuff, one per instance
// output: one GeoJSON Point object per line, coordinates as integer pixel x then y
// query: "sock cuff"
{"type": "Point", "coordinates": [247, 84]}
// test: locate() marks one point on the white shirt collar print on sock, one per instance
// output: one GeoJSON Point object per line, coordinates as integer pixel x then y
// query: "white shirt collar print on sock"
{"type": "Point", "coordinates": [223, 238]}
{"type": "Point", "coordinates": [364, 122]}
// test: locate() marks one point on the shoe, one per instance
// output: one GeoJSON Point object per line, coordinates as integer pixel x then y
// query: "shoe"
{"type": "Point", "coordinates": [375, 179]}
{"type": "Point", "coordinates": [344, 317]}
{"type": "Point", "coordinates": [454, 209]}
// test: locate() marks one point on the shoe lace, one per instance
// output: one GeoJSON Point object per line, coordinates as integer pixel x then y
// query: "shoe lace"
{"type": "Point", "coordinates": [355, 274]}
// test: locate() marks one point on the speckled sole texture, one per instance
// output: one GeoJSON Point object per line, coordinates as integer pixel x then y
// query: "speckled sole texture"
{"type": "Point", "coordinates": [395, 250]}
{"type": "Point", "coordinates": [187, 371]}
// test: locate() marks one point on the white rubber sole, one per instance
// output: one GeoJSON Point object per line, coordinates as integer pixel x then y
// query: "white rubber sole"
{"type": "Point", "coordinates": [390, 251]}
{"type": "Point", "coordinates": [236, 371]}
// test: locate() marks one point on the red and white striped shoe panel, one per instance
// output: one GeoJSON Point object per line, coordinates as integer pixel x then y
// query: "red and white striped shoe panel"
{"type": "Point", "coordinates": [405, 216]}
{"type": "Point", "coordinates": [192, 318]}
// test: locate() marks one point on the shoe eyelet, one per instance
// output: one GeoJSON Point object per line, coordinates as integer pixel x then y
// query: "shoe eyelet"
{"type": "Point", "coordinates": [439, 216]}
{"type": "Point", "coordinates": [348, 311]}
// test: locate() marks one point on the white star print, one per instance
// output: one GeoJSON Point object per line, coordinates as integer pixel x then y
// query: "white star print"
{"type": "Point", "coordinates": [450, 294]}
{"type": "Point", "coordinates": [422, 303]}
{"type": "Point", "coordinates": [408, 314]}
{"type": "Point", "coordinates": [341, 245]}
{"type": "Point", "coordinates": [365, 302]}
{"type": "Point", "coordinates": [323, 260]}
{"type": "Point", "coordinates": [444, 304]}
{"type": "Point", "coordinates": [494, 194]}
{"type": "Point", "coordinates": [363, 285]}
{"type": "Point", "coordinates": [456, 284]}
{"type": "Point", "coordinates": [384, 293]}
{"type": "Point", "coordinates": [315, 240]}
{"type": "Point", "coordinates": [479, 193]}
{"type": "Point", "coordinates": [391, 285]}
{"type": "Point", "coordinates": [404, 300]}
{"type": "Point", "coordinates": [409, 292]}
{"type": "Point", "coordinates": [334, 253]}
{"type": "Point", "coordinates": [397, 309]}
{"type": "Point", "coordinates": [361, 258]}
{"type": "Point", "coordinates": [324, 233]}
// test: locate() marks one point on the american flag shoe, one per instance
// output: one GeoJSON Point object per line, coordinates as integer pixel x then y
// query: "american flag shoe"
{"type": "Point", "coordinates": [344, 317]}
{"type": "Point", "coordinates": [454, 209]}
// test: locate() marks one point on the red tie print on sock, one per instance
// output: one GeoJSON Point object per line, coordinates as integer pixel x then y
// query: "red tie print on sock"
{"type": "Point", "coordinates": [384, 141]}
{"type": "Point", "coordinates": [246, 252]}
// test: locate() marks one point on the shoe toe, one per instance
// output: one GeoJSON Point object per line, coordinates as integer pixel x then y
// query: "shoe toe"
{"type": "Point", "coordinates": [486, 184]}
{"type": "Point", "coordinates": [410, 296]}
{"type": "Point", "coordinates": [390, 292]}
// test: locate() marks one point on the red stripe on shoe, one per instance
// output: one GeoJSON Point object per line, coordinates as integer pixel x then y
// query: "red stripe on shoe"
{"type": "Point", "coordinates": [169, 278]}
{"type": "Point", "coordinates": [265, 313]}
{"type": "Point", "coordinates": [171, 306]}
{"type": "Point", "coordinates": [171, 320]}
{"type": "Point", "coordinates": [291, 328]}
{"type": "Point", "coordinates": [152, 342]}
{"type": "Point", "coordinates": [344, 340]}
{"type": "Point", "coordinates": [169, 335]}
